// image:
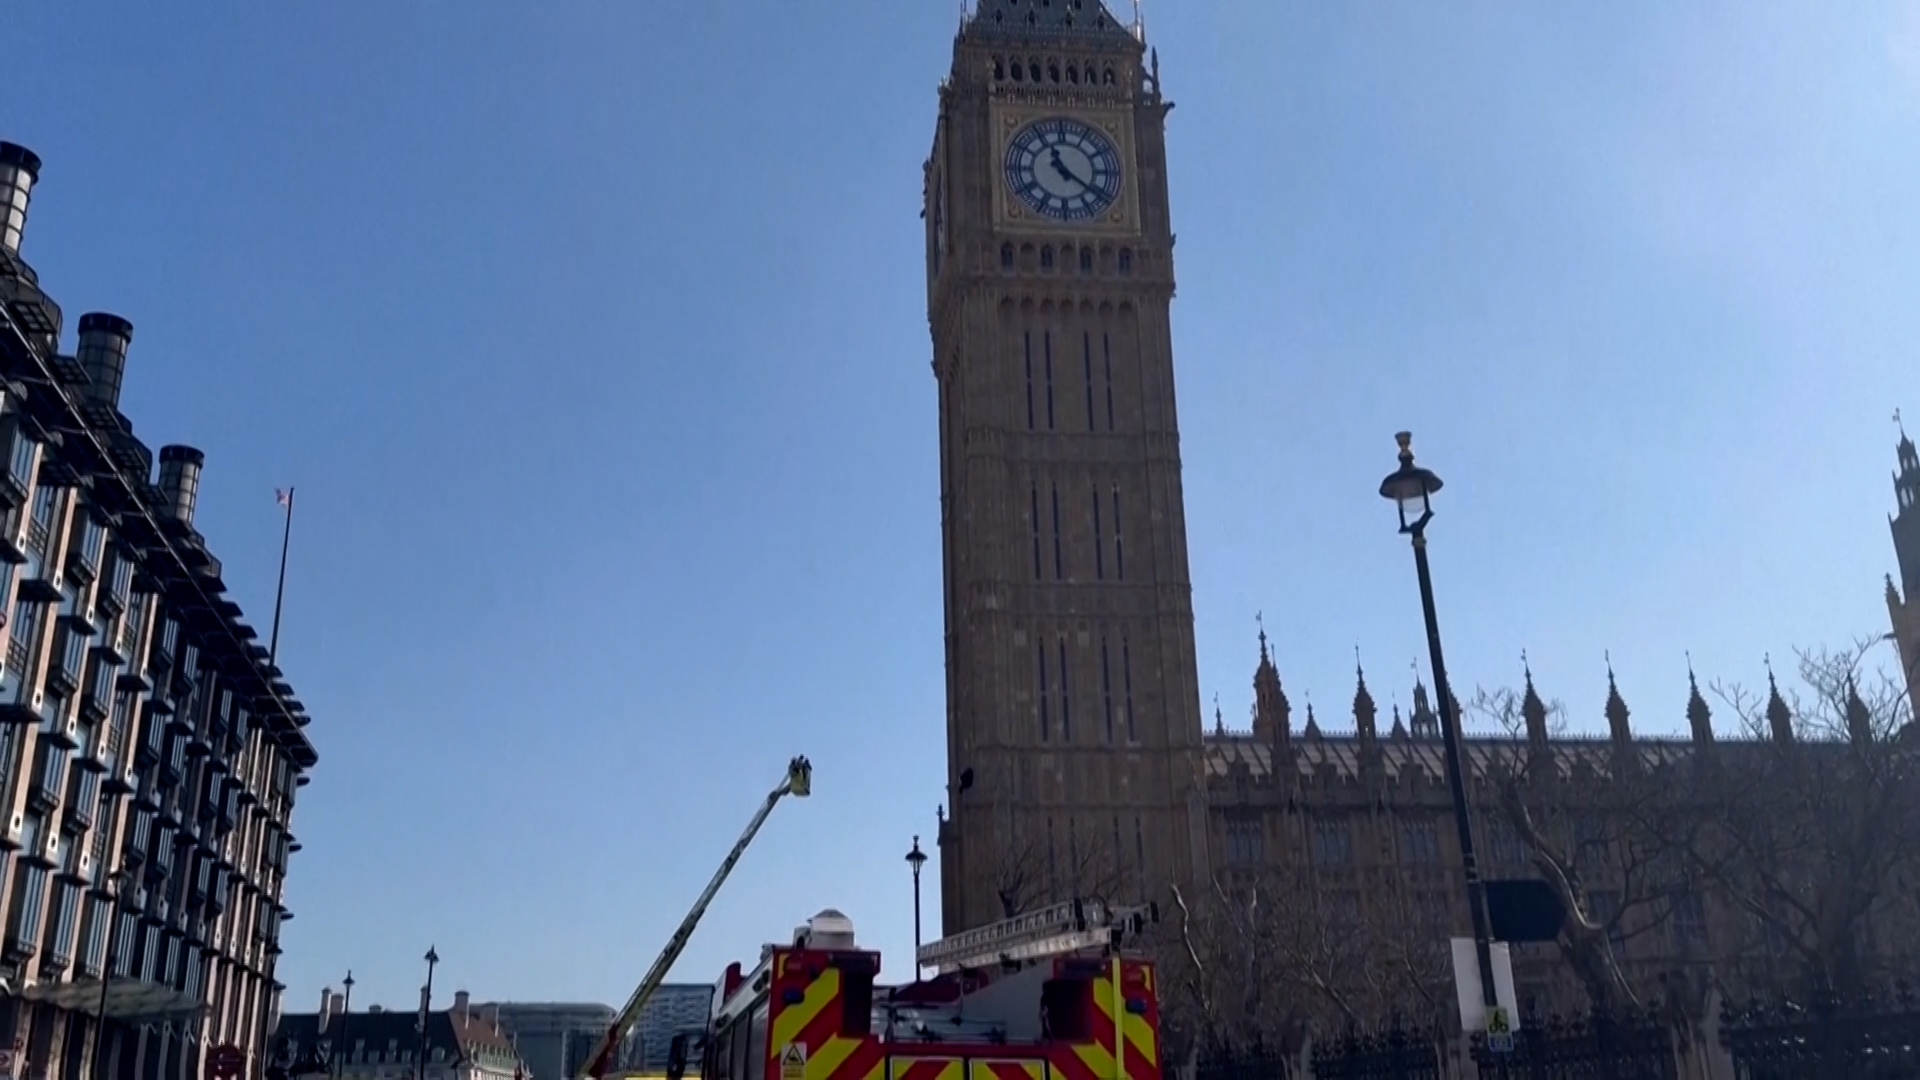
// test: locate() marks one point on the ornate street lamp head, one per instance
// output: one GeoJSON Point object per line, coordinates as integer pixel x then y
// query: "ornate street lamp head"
{"type": "Point", "coordinates": [1410, 488]}
{"type": "Point", "coordinates": [916, 858]}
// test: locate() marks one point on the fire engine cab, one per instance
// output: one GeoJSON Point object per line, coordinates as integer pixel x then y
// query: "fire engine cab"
{"type": "Point", "coordinates": [1043, 996]}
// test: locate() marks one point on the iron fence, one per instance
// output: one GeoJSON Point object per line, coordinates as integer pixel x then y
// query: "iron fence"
{"type": "Point", "coordinates": [1825, 1037]}
{"type": "Point", "coordinates": [1397, 1053]}
{"type": "Point", "coordinates": [1248, 1063]}
{"type": "Point", "coordinates": [1597, 1046]}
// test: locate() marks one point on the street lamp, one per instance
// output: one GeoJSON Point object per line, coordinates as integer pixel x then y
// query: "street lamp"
{"type": "Point", "coordinates": [1411, 489]}
{"type": "Point", "coordinates": [122, 880]}
{"type": "Point", "coordinates": [426, 1006]}
{"type": "Point", "coordinates": [346, 1014]}
{"type": "Point", "coordinates": [916, 859]}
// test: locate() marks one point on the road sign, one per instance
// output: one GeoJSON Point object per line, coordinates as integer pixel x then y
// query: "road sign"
{"type": "Point", "coordinates": [1499, 1031]}
{"type": "Point", "coordinates": [793, 1062]}
{"type": "Point", "coordinates": [226, 1061]}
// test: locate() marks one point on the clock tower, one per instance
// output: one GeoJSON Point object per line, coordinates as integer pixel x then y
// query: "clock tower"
{"type": "Point", "coordinates": [1073, 706]}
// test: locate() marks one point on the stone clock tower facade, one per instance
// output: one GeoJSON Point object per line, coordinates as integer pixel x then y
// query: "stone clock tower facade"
{"type": "Point", "coordinates": [1073, 709]}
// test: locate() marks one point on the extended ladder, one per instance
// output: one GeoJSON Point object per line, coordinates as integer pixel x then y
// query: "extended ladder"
{"type": "Point", "coordinates": [1065, 927]}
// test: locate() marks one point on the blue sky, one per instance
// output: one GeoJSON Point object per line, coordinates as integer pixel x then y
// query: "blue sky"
{"type": "Point", "coordinates": [593, 336]}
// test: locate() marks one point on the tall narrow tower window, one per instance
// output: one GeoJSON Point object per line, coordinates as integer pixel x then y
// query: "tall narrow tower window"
{"type": "Point", "coordinates": [1046, 257]}
{"type": "Point", "coordinates": [1066, 704]}
{"type": "Point", "coordinates": [1126, 260]}
{"type": "Point", "coordinates": [1046, 343]}
{"type": "Point", "coordinates": [1119, 539]}
{"type": "Point", "coordinates": [1006, 256]}
{"type": "Point", "coordinates": [1086, 356]}
{"type": "Point", "coordinates": [1059, 561]}
{"type": "Point", "coordinates": [1033, 515]}
{"type": "Point", "coordinates": [1126, 687]}
{"type": "Point", "coordinates": [1046, 722]}
{"type": "Point", "coordinates": [1140, 849]}
{"type": "Point", "coordinates": [1028, 344]}
{"type": "Point", "coordinates": [1086, 260]}
{"type": "Point", "coordinates": [1099, 541]}
{"type": "Point", "coordinates": [1106, 349]}
{"type": "Point", "coordinates": [1106, 705]}
{"type": "Point", "coordinates": [1053, 863]}
{"type": "Point", "coordinates": [1073, 853]}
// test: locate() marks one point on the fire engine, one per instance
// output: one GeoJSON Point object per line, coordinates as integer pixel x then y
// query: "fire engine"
{"type": "Point", "coordinates": [1046, 995]}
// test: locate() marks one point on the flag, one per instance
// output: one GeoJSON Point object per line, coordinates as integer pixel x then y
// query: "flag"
{"type": "Point", "coordinates": [283, 496]}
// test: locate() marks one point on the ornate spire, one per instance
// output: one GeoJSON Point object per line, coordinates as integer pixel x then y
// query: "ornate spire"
{"type": "Point", "coordinates": [1426, 723]}
{"type": "Point", "coordinates": [1399, 729]}
{"type": "Point", "coordinates": [1363, 707]}
{"type": "Point", "coordinates": [1699, 717]}
{"type": "Point", "coordinates": [1219, 721]}
{"type": "Point", "coordinates": [1313, 726]}
{"type": "Point", "coordinates": [1272, 714]}
{"type": "Point", "coordinates": [1859, 717]}
{"type": "Point", "coordinates": [1779, 716]}
{"type": "Point", "coordinates": [1617, 713]}
{"type": "Point", "coordinates": [1532, 709]}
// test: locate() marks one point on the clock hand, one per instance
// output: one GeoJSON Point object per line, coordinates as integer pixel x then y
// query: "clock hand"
{"type": "Point", "coordinates": [1060, 167]}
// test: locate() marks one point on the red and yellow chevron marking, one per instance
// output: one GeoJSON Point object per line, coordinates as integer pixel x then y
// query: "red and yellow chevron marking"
{"type": "Point", "coordinates": [1008, 1069]}
{"type": "Point", "coordinates": [813, 1023]}
{"type": "Point", "coordinates": [1093, 1059]}
{"type": "Point", "coordinates": [904, 1067]}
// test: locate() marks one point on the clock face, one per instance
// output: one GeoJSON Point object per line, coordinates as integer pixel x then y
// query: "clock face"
{"type": "Point", "coordinates": [1064, 169]}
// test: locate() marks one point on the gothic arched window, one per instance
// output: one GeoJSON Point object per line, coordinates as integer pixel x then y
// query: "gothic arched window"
{"type": "Point", "coordinates": [1126, 260]}
{"type": "Point", "coordinates": [1046, 257]}
{"type": "Point", "coordinates": [1086, 260]}
{"type": "Point", "coordinates": [1006, 256]}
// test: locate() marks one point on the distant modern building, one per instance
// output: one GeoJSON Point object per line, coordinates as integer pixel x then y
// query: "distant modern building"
{"type": "Point", "coordinates": [461, 1043]}
{"type": "Point", "coordinates": [149, 749]}
{"type": "Point", "coordinates": [675, 1008]}
{"type": "Point", "coordinates": [554, 1039]}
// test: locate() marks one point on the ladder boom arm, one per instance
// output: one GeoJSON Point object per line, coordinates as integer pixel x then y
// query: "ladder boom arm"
{"type": "Point", "coordinates": [798, 782]}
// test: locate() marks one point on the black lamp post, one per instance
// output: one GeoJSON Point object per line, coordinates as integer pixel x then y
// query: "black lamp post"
{"type": "Point", "coordinates": [121, 879]}
{"type": "Point", "coordinates": [346, 1013]}
{"type": "Point", "coordinates": [1411, 489]}
{"type": "Point", "coordinates": [426, 1011]}
{"type": "Point", "coordinates": [916, 859]}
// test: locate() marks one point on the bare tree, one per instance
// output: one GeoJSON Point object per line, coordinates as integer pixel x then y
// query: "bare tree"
{"type": "Point", "coordinates": [1031, 872]}
{"type": "Point", "coordinates": [1266, 958]}
{"type": "Point", "coordinates": [1584, 811]}
{"type": "Point", "coordinates": [1812, 838]}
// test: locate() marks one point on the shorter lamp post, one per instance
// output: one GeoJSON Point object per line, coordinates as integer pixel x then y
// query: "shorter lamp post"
{"type": "Point", "coordinates": [916, 859]}
{"type": "Point", "coordinates": [1410, 488]}
{"type": "Point", "coordinates": [346, 1014]}
{"type": "Point", "coordinates": [122, 880]}
{"type": "Point", "coordinates": [426, 1010]}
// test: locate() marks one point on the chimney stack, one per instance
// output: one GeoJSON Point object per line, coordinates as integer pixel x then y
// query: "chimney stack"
{"type": "Point", "coordinates": [180, 479]}
{"type": "Point", "coordinates": [103, 355]}
{"type": "Point", "coordinates": [19, 168]}
{"type": "Point", "coordinates": [326, 1007]}
{"type": "Point", "coordinates": [460, 1000]}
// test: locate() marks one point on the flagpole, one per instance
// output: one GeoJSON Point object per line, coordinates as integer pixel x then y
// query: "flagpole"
{"type": "Point", "coordinates": [280, 593]}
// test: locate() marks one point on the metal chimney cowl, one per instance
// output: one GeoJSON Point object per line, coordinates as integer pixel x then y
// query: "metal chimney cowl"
{"type": "Point", "coordinates": [19, 170]}
{"type": "Point", "coordinates": [180, 479]}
